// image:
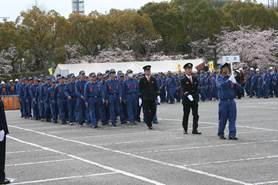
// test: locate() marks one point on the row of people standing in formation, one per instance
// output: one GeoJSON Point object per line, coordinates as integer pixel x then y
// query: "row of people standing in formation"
{"type": "Point", "coordinates": [254, 83]}
{"type": "Point", "coordinates": [83, 99]}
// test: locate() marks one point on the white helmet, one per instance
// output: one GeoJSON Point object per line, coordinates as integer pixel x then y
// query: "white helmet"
{"type": "Point", "coordinates": [270, 68]}
{"type": "Point", "coordinates": [257, 69]}
{"type": "Point", "coordinates": [16, 80]}
{"type": "Point", "coordinates": [11, 80]}
{"type": "Point", "coordinates": [252, 69]}
{"type": "Point", "coordinates": [2, 82]}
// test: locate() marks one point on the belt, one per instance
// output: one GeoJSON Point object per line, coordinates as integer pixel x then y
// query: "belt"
{"type": "Point", "coordinates": [228, 99]}
{"type": "Point", "coordinates": [93, 96]}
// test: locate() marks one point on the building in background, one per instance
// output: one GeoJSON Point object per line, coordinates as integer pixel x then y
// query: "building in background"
{"type": "Point", "coordinates": [78, 7]}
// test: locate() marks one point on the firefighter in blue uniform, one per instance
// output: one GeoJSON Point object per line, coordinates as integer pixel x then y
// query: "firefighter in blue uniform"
{"type": "Point", "coordinates": [53, 102]}
{"type": "Point", "coordinates": [28, 99]}
{"type": "Point", "coordinates": [130, 94]}
{"type": "Point", "coordinates": [80, 99]}
{"type": "Point", "coordinates": [71, 98]}
{"type": "Point", "coordinates": [103, 109]}
{"type": "Point", "coordinates": [266, 80]}
{"type": "Point", "coordinates": [22, 102]}
{"type": "Point", "coordinates": [253, 83]}
{"type": "Point", "coordinates": [171, 87]}
{"type": "Point", "coordinates": [259, 84]}
{"type": "Point", "coordinates": [34, 99]}
{"type": "Point", "coordinates": [40, 99]}
{"type": "Point", "coordinates": [46, 105]}
{"type": "Point", "coordinates": [60, 96]}
{"type": "Point", "coordinates": [122, 105]}
{"type": "Point", "coordinates": [178, 88]}
{"type": "Point", "coordinates": [113, 96]}
{"type": "Point", "coordinates": [227, 106]}
{"type": "Point", "coordinates": [275, 83]}
{"type": "Point", "coordinates": [92, 94]}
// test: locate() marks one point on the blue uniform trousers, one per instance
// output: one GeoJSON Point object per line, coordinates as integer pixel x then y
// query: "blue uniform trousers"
{"type": "Point", "coordinates": [227, 111]}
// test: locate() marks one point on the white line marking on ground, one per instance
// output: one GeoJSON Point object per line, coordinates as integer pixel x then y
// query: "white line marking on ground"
{"type": "Point", "coordinates": [206, 146]}
{"type": "Point", "coordinates": [87, 161]}
{"type": "Point", "coordinates": [39, 162]}
{"type": "Point", "coordinates": [234, 160]}
{"type": "Point", "coordinates": [258, 107]}
{"type": "Point", "coordinates": [65, 178]}
{"type": "Point", "coordinates": [26, 151]}
{"type": "Point", "coordinates": [268, 182]}
{"type": "Point", "coordinates": [239, 126]}
{"type": "Point", "coordinates": [134, 156]}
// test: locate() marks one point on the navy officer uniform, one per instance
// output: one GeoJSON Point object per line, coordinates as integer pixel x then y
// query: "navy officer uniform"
{"type": "Point", "coordinates": [148, 92]}
{"type": "Point", "coordinates": [190, 99]}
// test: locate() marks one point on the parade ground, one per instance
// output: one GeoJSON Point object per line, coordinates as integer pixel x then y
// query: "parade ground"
{"type": "Point", "coordinates": [45, 153]}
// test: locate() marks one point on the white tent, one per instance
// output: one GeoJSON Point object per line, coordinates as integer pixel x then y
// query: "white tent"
{"type": "Point", "coordinates": [136, 67]}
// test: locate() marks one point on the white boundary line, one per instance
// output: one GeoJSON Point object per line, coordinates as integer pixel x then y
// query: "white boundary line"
{"type": "Point", "coordinates": [234, 160]}
{"type": "Point", "coordinates": [89, 162]}
{"type": "Point", "coordinates": [24, 151]}
{"type": "Point", "coordinates": [268, 182]}
{"type": "Point", "coordinates": [134, 156]}
{"type": "Point", "coordinates": [216, 124]}
{"type": "Point", "coordinates": [206, 146]}
{"type": "Point", "coordinates": [65, 178]}
{"type": "Point", "coordinates": [39, 162]}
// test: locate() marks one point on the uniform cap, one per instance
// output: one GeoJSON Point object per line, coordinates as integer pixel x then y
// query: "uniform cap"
{"type": "Point", "coordinates": [92, 74]}
{"type": "Point", "coordinates": [112, 71]}
{"type": "Point", "coordinates": [147, 67]}
{"type": "Point", "coordinates": [187, 65]}
{"type": "Point", "coordinates": [129, 71]}
{"type": "Point", "coordinates": [81, 73]}
{"type": "Point", "coordinates": [225, 65]}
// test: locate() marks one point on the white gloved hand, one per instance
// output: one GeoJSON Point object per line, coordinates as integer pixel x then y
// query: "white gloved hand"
{"type": "Point", "coordinates": [158, 99]}
{"type": "Point", "coordinates": [232, 79]}
{"type": "Point", "coordinates": [190, 97]}
{"type": "Point", "coordinates": [2, 135]}
{"type": "Point", "coordinates": [140, 102]}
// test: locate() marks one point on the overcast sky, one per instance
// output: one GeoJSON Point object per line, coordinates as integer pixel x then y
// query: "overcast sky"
{"type": "Point", "coordinates": [12, 8]}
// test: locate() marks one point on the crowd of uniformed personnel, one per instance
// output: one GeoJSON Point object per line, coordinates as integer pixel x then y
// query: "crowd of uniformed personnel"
{"type": "Point", "coordinates": [105, 97]}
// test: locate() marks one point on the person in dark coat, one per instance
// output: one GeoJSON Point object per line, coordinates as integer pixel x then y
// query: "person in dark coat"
{"type": "Point", "coordinates": [148, 92]}
{"type": "Point", "coordinates": [189, 86]}
{"type": "Point", "coordinates": [3, 132]}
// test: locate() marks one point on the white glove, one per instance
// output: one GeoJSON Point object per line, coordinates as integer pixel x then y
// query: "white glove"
{"type": "Point", "coordinates": [2, 135]}
{"type": "Point", "coordinates": [190, 97]}
{"type": "Point", "coordinates": [140, 102]}
{"type": "Point", "coordinates": [232, 79]}
{"type": "Point", "coordinates": [158, 99]}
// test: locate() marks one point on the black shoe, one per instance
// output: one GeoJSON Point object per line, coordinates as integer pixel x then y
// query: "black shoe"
{"type": "Point", "coordinates": [222, 137]}
{"type": "Point", "coordinates": [196, 133]}
{"type": "Point", "coordinates": [185, 132]}
{"type": "Point", "coordinates": [95, 126]}
{"type": "Point", "coordinates": [150, 128]}
{"type": "Point", "coordinates": [233, 138]}
{"type": "Point", "coordinates": [6, 181]}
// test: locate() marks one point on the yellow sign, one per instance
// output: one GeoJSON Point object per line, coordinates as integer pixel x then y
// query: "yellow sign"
{"type": "Point", "coordinates": [50, 70]}
{"type": "Point", "coordinates": [211, 66]}
{"type": "Point", "coordinates": [178, 67]}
